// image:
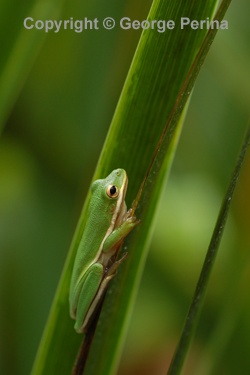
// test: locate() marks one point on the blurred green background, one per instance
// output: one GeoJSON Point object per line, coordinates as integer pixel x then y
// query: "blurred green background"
{"type": "Point", "coordinates": [52, 137]}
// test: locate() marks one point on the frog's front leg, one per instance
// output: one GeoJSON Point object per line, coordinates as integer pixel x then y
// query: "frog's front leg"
{"type": "Point", "coordinates": [117, 236]}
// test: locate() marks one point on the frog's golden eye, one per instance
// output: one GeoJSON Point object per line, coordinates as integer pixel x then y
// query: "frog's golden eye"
{"type": "Point", "coordinates": [112, 191]}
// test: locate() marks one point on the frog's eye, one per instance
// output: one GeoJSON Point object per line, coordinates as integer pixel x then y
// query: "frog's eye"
{"type": "Point", "coordinates": [112, 191]}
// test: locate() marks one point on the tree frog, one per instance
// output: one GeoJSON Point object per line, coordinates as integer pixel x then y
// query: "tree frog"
{"type": "Point", "coordinates": [95, 265]}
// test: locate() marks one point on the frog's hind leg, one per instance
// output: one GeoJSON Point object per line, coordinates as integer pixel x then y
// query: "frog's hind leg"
{"type": "Point", "coordinates": [87, 297]}
{"type": "Point", "coordinates": [92, 292]}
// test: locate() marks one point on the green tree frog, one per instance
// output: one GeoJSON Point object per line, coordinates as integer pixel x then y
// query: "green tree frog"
{"type": "Point", "coordinates": [95, 265]}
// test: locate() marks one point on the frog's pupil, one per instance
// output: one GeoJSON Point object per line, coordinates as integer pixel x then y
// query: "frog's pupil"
{"type": "Point", "coordinates": [112, 190]}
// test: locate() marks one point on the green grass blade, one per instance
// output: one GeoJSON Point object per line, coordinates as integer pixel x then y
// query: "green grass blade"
{"type": "Point", "coordinates": [199, 294]}
{"type": "Point", "coordinates": [157, 74]}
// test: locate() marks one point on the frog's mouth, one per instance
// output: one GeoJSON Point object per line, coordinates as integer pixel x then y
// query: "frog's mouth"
{"type": "Point", "coordinates": [121, 205]}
